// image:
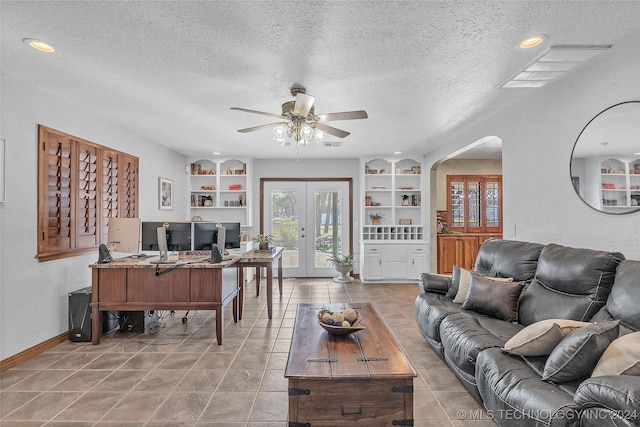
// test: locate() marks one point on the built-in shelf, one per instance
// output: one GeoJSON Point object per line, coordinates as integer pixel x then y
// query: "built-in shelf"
{"type": "Point", "coordinates": [220, 189]}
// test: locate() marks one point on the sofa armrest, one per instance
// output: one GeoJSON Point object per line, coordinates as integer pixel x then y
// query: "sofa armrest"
{"type": "Point", "coordinates": [437, 283]}
{"type": "Point", "coordinates": [619, 394]}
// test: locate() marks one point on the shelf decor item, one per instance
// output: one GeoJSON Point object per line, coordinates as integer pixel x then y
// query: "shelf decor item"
{"type": "Point", "coordinates": [327, 319]}
{"type": "Point", "coordinates": [376, 217]}
{"type": "Point", "coordinates": [264, 241]}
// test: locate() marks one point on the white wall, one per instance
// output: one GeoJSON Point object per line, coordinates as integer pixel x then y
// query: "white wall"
{"type": "Point", "coordinates": [462, 167]}
{"type": "Point", "coordinates": [33, 295]}
{"type": "Point", "coordinates": [538, 134]}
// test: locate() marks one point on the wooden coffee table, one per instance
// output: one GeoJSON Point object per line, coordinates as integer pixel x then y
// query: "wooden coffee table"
{"type": "Point", "coordinates": [359, 379]}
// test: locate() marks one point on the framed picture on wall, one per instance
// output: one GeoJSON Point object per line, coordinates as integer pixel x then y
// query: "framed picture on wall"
{"type": "Point", "coordinates": [165, 193]}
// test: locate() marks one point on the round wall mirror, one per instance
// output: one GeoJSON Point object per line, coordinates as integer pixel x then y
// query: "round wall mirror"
{"type": "Point", "coordinates": [605, 162]}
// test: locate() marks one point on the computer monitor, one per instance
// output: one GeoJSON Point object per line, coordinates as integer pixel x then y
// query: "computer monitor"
{"type": "Point", "coordinates": [205, 234]}
{"type": "Point", "coordinates": [163, 246]}
{"type": "Point", "coordinates": [221, 238]}
{"type": "Point", "coordinates": [123, 235]}
{"type": "Point", "coordinates": [178, 235]}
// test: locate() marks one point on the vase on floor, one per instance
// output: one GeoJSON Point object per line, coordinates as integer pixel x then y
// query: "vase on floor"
{"type": "Point", "coordinates": [344, 270]}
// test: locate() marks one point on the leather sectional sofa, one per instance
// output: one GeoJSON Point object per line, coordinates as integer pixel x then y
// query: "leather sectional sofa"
{"type": "Point", "coordinates": [587, 298]}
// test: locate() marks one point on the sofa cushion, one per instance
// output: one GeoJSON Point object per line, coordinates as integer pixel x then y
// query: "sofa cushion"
{"type": "Point", "coordinates": [429, 310]}
{"type": "Point", "coordinates": [466, 334]}
{"type": "Point", "coordinates": [577, 354]}
{"type": "Point", "coordinates": [622, 357]}
{"type": "Point", "coordinates": [508, 258]}
{"type": "Point", "coordinates": [498, 298]}
{"type": "Point", "coordinates": [569, 283]}
{"type": "Point", "coordinates": [460, 283]}
{"type": "Point", "coordinates": [540, 338]}
{"type": "Point", "coordinates": [513, 393]}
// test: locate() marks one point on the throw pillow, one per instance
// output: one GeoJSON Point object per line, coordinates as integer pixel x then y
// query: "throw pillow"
{"type": "Point", "coordinates": [463, 285]}
{"type": "Point", "coordinates": [622, 357]}
{"type": "Point", "coordinates": [493, 297]}
{"type": "Point", "coordinates": [577, 354]}
{"type": "Point", "coordinates": [540, 338]}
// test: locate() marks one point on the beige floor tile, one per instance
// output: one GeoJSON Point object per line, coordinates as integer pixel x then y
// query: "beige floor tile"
{"type": "Point", "coordinates": [182, 406]}
{"type": "Point", "coordinates": [178, 376]}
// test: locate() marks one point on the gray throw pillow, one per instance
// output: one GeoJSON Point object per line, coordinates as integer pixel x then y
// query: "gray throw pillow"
{"type": "Point", "coordinates": [577, 354]}
{"type": "Point", "coordinates": [493, 297]}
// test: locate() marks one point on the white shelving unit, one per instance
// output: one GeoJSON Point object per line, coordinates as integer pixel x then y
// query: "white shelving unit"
{"type": "Point", "coordinates": [220, 189]}
{"type": "Point", "coordinates": [396, 248]}
{"type": "Point", "coordinates": [620, 184]}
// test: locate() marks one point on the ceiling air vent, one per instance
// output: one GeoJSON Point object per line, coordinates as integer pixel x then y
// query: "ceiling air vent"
{"type": "Point", "coordinates": [553, 63]}
{"type": "Point", "coordinates": [332, 143]}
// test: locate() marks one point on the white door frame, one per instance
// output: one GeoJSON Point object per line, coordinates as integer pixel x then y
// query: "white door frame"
{"type": "Point", "coordinates": [347, 203]}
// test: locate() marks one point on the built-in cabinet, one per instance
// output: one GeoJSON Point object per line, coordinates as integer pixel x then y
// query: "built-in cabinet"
{"type": "Point", "coordinates": [620, 184]}
{"type": "Point", "coordinates": [220, 190]}
{"type": "Point", "coordinates": [460, 250]}
{"type": "Point", "coordinates": [393, 261]}
{"type": "Point", "coordinates": [393, 245]}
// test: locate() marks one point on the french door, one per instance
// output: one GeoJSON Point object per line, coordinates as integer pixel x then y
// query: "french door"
{"type": "Point", "coordinates": [310, 219]}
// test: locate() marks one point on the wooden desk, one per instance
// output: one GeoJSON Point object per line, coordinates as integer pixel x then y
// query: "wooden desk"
{"type": "Point", "coordinates": [258, 259]}
{"type": "Point", "coordinates": [132, 285]}
{"type": "Point", "coordinates": [362, 378]}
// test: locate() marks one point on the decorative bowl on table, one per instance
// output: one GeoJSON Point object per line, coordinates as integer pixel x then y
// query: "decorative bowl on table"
{"type": "Point", "coordinates": [340, 322]}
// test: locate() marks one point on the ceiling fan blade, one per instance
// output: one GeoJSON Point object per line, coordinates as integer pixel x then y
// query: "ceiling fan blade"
{"type": "Point", "coordinates": [303, 104]}
{"type": "Point", "coordinates": [246, 110]}
{"type": "Point", "coordinates": [251, 129]}
{"type": "Point", "coordinates": [346, 115]}
{"type": "Point", "coordinates": [332, 131]}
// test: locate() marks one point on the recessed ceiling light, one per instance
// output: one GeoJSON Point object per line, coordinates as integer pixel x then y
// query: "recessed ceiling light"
{"type": "Point", "coordinates": [216, 153]}
{"type": "Point", "coordinates": [397, 152]}
{"type": "Point", "coordinates": [531, 42]}
{"type": "Point", "coordinates": [40, 45]}
{"type": "Point", "coordinates": [637, 154]}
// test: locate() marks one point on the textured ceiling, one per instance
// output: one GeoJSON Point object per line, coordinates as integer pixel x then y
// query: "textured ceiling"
{"type": "Point", "coordinates": [169, 71]}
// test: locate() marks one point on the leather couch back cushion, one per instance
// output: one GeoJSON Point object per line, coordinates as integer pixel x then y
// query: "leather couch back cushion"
{"type": "Point", "coordinates": [569, 283]}
{"type": "Point", "coordinates": [508, 258]}
{"type": "Point", "coordinates": [623, 302]}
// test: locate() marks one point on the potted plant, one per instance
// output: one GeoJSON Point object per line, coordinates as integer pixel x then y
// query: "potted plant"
{"type": "Point", "coordinates": [264, 241]}
{"type": "Point", "coordinates": [376, 217]}
{"type": "Point", "coordinates": [343, 265]}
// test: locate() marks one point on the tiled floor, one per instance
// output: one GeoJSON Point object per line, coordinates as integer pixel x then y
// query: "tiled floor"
{"type": "Point", "coordinates": [178, 376]}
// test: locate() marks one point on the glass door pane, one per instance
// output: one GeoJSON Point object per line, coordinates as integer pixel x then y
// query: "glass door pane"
{"type": "Point", "coordinates": [492, 200]}
{"type": "Point", "coordinates": [475, 195]}
{"type": "Point", "coordinates": [285, 225]}
{"type": "Point", "coordinates": [457, 205]}
{"type": "Point", "coordinates": [328, 226]}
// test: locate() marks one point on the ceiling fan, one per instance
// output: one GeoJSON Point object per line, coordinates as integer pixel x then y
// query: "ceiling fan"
{"type": "Point", "coordinates": [300, 121]}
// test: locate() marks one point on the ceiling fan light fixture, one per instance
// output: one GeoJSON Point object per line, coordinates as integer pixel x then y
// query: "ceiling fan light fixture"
{"type": "Point", "coordinates": [301, 123]}
{"type": "Point", "coordinates": [306, 131]}
{"type": "Point", "coordinates": [280, 133]}
{"type": "Point", "coordinates": [318, 135]}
